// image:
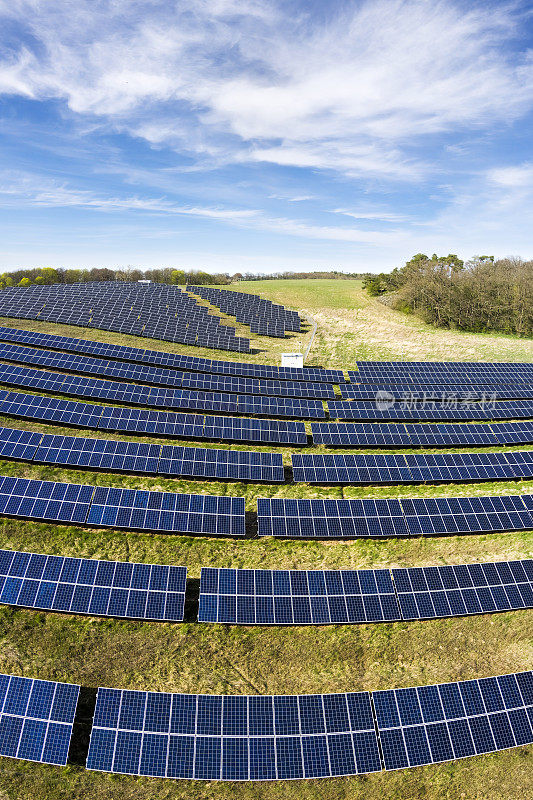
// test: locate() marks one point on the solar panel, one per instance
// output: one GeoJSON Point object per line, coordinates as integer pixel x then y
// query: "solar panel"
{"type": "Point", "coordinates": [44, 500]}
{"type": "Point", "coordinates": [87, 586]}
{"type": "Point", "coordinates": [446, 591]}
{"type": "Point", "coordinates": [155, 311]}
{"type": "Point", "coordinates": [209, 737]}
{"type": "Point", "coordinates": [134, 509]}
{"type": "Point", "coordinates": [36, 719]}
{"type": "Point", "coordinates": [429, 724]}
{"type": "Point", "coordinates": [456, 515]}
{"type": "Point", "coordinates": [264, 737]}
{"type": "Point", "coordinates": [238, 465]}
{"type": "Point", "coordinates": [293, 597]}
{"type": "Point", "coordinates": [410, 468]}
{"type": "Point", "coordinates": [427, 435]}
{"type": "Point", "coordinates": [122, 508]}
{"type": "Point", "coordinates": [388, 410]}
{"type": "Point", "coordinates": [322, 519]}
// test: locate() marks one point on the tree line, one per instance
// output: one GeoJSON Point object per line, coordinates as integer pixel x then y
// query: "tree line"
{"type": "Point", "coordinates": [47, 275]}
{"type": "Point", "coordinates": [483, 294]}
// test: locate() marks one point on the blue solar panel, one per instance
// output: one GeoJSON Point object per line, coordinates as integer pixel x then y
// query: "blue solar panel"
{"type": "Point", "coordinates": [122, 508]}
{"type": "Point", "coordinates": [36, 719]}
{"type": "Point", "coordinates": [210, 737]}
{"type": "Point", "coordinates": [135, 509]}
{"type": "Point", "coordinates": [396, 411]}
{"type": "Point", "coordinates": [429, 724]}
{"type": "Point", "coordinates": [322, 519]}
{"type": "Point", "coordinates": [411, 468]}
{"type": "Point", "coordinates": [413, 435]}
{"type": "Point", "coordinates": [292, 597]}
{"type": "Point", "coordinates": [426, 592]}
{"type": "Point", "coordinates": [88, 586]}
{"type": "Point", "coordinates": [206, 737]}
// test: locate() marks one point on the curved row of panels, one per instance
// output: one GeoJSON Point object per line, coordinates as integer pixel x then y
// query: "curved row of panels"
{"type": "Point", "coordinates": [262, 597]}
{"type": "Point", "coordinates": [242, 429]}
{"type": "Point", "coordinates": [167, 512]}
{"type": "Point", "coordinates": [268, 737]}
{"type": "Point", "coordinates": [196, 462]}
{"type": "Point", "coordinates": [171, 360]}
{"type": "Point", "coordinates": [156, 397]}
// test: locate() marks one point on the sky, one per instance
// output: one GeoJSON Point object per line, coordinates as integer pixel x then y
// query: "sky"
{"type": "Point", "coordinates": [242, 135]}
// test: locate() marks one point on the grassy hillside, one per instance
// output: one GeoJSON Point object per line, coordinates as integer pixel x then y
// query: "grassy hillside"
{"type": "Point", "coordinates": [233, 660]}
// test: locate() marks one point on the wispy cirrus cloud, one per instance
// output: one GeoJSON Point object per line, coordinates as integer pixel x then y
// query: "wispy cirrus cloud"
{"type": "Point", "coordinates": [258, 82]}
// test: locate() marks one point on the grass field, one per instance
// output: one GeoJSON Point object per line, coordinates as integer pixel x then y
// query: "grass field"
{"type": "Point", "coordinates": [235, 660]}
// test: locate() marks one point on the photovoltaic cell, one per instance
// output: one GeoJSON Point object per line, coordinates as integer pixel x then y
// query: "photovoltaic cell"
{"type": "Point", "coordinates": [88, 586]}
{"type": "Point", "coordinates": [36, 719]}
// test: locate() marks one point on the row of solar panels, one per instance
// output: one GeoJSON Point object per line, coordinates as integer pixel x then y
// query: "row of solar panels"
{"type": "Point", "coordinates": [349, 519]}
{"type": "Point", "coordinates": [262, 597]}
{"type": "Point", "coordinates": [321, 597]}
{"type": "Point", "coordinates": [437, 392]}
{"type": "Point", "coordinates": [150, 311]}
{"type": "Point", "coordinates": [268, 737]}
{"type": "Point", "coordinates": [161, 397]}
{"type": "Point", "coordinates": [171, 460]}
{"type": "Point", "coordinates": [170, 360]}
{"type": "Point", "coordinates": [446, 372]}
{"type": "Point", "coordinates": [346, 434]}
{"type": "Point", "coordinates": [153, 423]}
{"type": "Point", "coordinates": [411, 467]}
{"type": "Point", "coordinates": [131, 509]}
{"type": "Point", "coordinates": [124, 370]}
{"type": "Point", "coordinates": [161, 377]}
{"type": "Point", "coordinates": [155, 459]}
{"type": "Point", "coordinates": [263, 316]}
{"type": "Point", "coordinates": [89, 586]}
{"type": "Point", "coordinates": [134, 509]}
{"type": "Point", "coordinates": [383, 410]}
{"type": "Point", "coordinates": [156, 397]}
{"type": "Point", "coordinates": [241, 429]}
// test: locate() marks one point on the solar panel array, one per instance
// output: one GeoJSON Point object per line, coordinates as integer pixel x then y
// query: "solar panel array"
{"type": "Point", "coordinates": [210, 737]}
{"type": "Point", "coordinates": [88, 586]}
{"type": "Point", "coordinates": [263, 316]}
{"type": "Point", "coordinates": [155, 311]}
{"type": "Point", "coordinates": [145, 422]}
{"type": "Point", "coordinates": [442, 372]}
{"type": "Point", "coordinates": [321, 597]}
{"type": "Point", "coordinates": [117, 456]}
{"type": "Point", "coordinates": [411, 468]}
{"type": "Point", "coordinates": [156, 376]}
{"type": "Point", "coordinates": [296, 597]}
{"type": "Point", "coordinates": [132, 509]}
{"type": "Point", "coordinates": [154, 397]}
{"type": "Point", "coordinates": [36, 719]}
{"type": "Point", "coordinates": [439, 393]}
{"type": "Point", "coordinates": [171, 360]}
{"type": "Point", "coordinates": [349, 519]}
{"type": "Point", "coordinates": [383, 410]}
{"type": "Point", "coordinates": [347, 434]}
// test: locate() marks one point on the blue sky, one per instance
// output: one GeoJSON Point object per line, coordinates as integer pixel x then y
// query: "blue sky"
{"type": "Point", "coordinates": [234, 135]}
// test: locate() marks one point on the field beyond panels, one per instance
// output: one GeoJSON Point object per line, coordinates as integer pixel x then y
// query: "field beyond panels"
{"type": "Point", "coordinates": [240, 660]}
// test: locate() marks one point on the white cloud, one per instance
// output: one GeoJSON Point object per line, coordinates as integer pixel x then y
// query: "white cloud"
{"type": "Point", "coordinates": [252, 81]}
{"type": "Point", "coordinates": [518, 176]}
